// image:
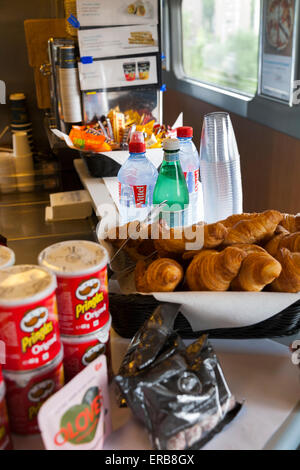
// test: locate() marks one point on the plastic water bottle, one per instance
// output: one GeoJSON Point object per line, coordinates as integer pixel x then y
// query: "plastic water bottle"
{"type": "Point", "coordinates": [137, 178]}
{"type": "Point", "coordinates": [189, 159]}
{"type": "Point", "coordinates": [220, 170]}
{"type": "Point", "coordinates": [171, 187]}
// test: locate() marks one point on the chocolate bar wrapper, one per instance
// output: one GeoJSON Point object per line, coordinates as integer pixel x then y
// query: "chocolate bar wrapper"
{"type": "Point", "coordinates": [179, 393]}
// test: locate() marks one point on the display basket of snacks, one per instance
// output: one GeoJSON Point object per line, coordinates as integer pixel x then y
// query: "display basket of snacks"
{"type": "Point", "coordinates": [243, 283]}
{"type": "Point", "coordinates": [99, 142]}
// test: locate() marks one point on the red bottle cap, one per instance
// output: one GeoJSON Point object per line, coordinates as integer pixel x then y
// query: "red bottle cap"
{"type": "Point", "coordinates": [137, 143]}
{"type": "Point", "coordinates": [185, 131]}
{"type": "Point", "coordinates": [137, 147]}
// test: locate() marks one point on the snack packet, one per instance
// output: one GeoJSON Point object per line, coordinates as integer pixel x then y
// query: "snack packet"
{"type": "Point", "coordinates": [89, 139]}
{"type": "Point", "coordinates": [179, 393]}
{"type": "Point", "coordinates": [78, 416]}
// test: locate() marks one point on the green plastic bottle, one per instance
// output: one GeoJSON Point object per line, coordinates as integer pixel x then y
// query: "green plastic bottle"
{"type": "Point", "coordinates": [171, 187]}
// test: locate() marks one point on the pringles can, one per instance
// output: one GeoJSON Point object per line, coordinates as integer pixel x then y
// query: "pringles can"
{"type": "Point", "coordinates": [80, 351]}
{"type": "Point", "coordinates": [7, 257]}
{"type": "Point", "coordinates": [82, 288]}
{"type": "Point", "coordinates": [5, 439]}
{"type": "Point", "coordinates": [28, 317]}
{"type": "Point", "coordinates": [27, 391]}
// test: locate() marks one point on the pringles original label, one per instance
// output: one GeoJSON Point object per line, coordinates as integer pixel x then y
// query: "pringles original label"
{"type": "Point", "coordinates": [83, 303]}
{"type": "Point", "coordinates": [80, 351]}
{"type": "Point", "coordinates": [28, 317]}
{"type": "Point", "coordinates": [88, 293]}
{"type": "Point", "coordinates": [27, 392]}
{"type": "Point", "coordinates": [82, 293]}
{"type": "Point", "coordinates": [78, 416]}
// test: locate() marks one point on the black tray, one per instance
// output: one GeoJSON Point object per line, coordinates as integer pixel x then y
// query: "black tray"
{"type": "Point", "coordinates": [99, 165]}
{"type": "Point", "coordinates": [129, 312]}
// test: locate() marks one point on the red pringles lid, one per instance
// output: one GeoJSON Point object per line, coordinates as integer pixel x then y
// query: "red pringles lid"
{"type": "Point", "coordinates": [184, 131]}
{"type": "Point", "coordinates": [137, 143]}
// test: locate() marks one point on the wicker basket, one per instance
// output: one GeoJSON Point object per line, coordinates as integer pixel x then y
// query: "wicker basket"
{"type": "Point", "coordinates": [129, 312]}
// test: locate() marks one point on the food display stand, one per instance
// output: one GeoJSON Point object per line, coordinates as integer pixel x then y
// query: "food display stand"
{"type": "Point", "coordinates": [176, 349]}
{"type": "Point", "coordinates": [261, 372]}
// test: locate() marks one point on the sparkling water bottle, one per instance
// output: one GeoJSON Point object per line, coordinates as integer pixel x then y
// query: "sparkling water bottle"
{"type": "Point", "coordinates": [171, 187]}
{"type": "Point", "coordinates": [189, 159]}
{"type": "Point", "coordinates": [220, 170]}
{"type": "Point", "coordinates": [137, 178]}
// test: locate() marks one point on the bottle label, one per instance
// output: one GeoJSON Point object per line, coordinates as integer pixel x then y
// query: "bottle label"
{"type": "Point", "coordinates": [175, 219]}
{"type": "Point", "coordinates": [135, 196]}
{"type": "Point", "coordinates": [192, 180]}
{"type": "Point", "coordinates": [140, 193]}
{"type": "Point", "coordinates": [171, 157]}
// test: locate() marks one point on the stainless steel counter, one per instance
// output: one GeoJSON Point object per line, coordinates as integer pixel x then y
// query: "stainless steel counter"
{"type": "Point", "coordinates": [22, 222]}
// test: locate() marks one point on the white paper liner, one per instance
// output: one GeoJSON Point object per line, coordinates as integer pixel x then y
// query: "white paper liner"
{"type": "Point", "coordinates": [210, 310]}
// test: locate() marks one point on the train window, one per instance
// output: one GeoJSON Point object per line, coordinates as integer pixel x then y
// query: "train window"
{"type": "Point", "coordinates": [212, 49]}
{"type": "Point", "coordinates": [220, 43]}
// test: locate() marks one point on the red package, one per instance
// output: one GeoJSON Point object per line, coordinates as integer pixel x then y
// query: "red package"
{"type": "Point", "coordinates": [80, 351]}
{"type": "Point", "coordinates": [27, 391]}
{"type": "Point", "coordinates": [28, 317]}
{"type": "Point", "coordinates": [82, 292]}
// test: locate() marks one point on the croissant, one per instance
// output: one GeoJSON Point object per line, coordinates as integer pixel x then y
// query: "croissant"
{"type": "Point", "coordinates": [176, 240]}
{"type": "Point", "coordinates": [211, 270]}
{"type": "Point", "coordinates": [291, 222]}
{"type": "Point", "coordinates": [162, 275]}
{"type": "Point", "coordinates": [214, 235]}
{"type": "Point", "coordinates": [133, 230]}
{"type": "Point", "coordinates": [289, 279]}
{"type": "Point", "coordinates": [235, 218]}
{"type": "Point", "coordinates": [258, 269]}
{"type": "Point", "coordinates": [283, 240]}
{"type": "Point", "coordinates": [254, 230]}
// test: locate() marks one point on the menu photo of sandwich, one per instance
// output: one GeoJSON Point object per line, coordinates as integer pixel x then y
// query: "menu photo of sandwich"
{"type": "Point", "coordinates": [142, 37]}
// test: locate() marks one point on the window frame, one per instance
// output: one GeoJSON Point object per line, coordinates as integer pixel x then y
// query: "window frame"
{"type": "Point", "coordinates": [278, 116]}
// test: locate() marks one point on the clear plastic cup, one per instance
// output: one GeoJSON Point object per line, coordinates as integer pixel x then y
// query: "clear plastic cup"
{"type": "Point", "coordinates": [20, 144]}
{"type": "Point", "coordinates": [220, 168]}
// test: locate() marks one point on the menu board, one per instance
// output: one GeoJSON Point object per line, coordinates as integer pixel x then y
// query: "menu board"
{"type": "Point", "coordinates": [118, 41]}
{"type": "Point", "coordinates": [278, 49]}
{"type": "Point", "coordinates": [117, 12]}
{"type": "Point", "coordinates": [118, 73]}
{"type": "Point", "coordinates": [119, 44]}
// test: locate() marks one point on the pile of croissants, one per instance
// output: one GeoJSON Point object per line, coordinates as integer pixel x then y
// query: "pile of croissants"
{"type": "Point", "coordinates": [245, 252]}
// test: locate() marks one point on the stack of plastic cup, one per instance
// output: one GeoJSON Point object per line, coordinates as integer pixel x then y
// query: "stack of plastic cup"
{"type": "Point", "coordinates": [7, 173]}
{"type": "Point", "coordinates": [19, 117]}
{"type": "Point", "coordinates": [220, 168]}
{"type": "Point", "coordinates": [23, 162]}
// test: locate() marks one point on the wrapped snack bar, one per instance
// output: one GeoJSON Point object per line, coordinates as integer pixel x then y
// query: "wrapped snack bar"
{"type": "Point", "coordinates": [179, 393]}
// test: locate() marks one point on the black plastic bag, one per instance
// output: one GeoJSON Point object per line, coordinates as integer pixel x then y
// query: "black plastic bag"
{"type": "Point", "coordinates": [179, 393]}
